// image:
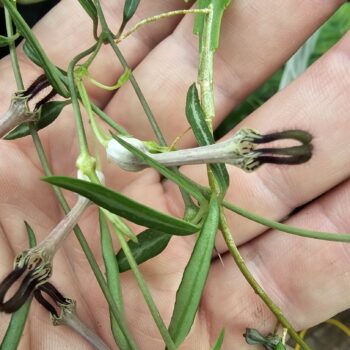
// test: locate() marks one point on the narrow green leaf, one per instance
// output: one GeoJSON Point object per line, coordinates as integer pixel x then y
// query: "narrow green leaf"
{"type": "Point", "coordinates": [48, 114]}
{"type": "Point", "coordinates": [204, 137]}
{"type": "Point", "coordinates": [113, 281]}
{"type": "Point", "coordinates": [166, 172]}
{"type": "Point", "coordinates": [31, 235]}
{"type": "Point", "coordinates": [91, 10]}
{"type": "Point", "coordinates": [219, 341]}
{"type": "Point", "coordinates": [5, 40]}
{"type": "Point", "coordinates": [52, 73]}
{"type": "Point", "coordinates": [32, 55]}
{"type": "Point", "coordinates": [130, 7]}
{"type": "Point", "coordinates": [123, 206]}
{"type": "Point", "coordinates": [218, 8]}
{"type": "Point", "coordinates": [18, 320]}
{"type": "Point", "coordinates": [150, 244]}
{"type": "Point", "coordinates": [195, 275]}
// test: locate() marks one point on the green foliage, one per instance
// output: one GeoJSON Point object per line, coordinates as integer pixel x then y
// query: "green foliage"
{"type": "Point", "coordinates": [219, 341]}
{"type": "Point", "coordinates": [332, 31]}
{"type": "Point", "coordinates": [150, 244]}
{"type": "Point", "coordinates": [48, 113]}
{"type": "Point", "coordinates": [130, 7]}
{"type": "Point", "coordinates": [196, 119]}
{"type": "Point", "coordinates": [195, 275]}
{"type": "Point", "coordinates": [218, 7]}
{"type": "Point", "coordinates": [123, 206]}
{"type": "Point", "coordinates": [113, 280]}
{"type": "Point", "coordinates": [91, 10]}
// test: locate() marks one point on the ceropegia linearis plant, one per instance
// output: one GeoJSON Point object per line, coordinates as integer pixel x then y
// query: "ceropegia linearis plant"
{"type": "Point", "coordinates": [204, 206]}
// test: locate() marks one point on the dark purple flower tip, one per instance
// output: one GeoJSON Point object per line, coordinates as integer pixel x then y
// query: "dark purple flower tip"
{"type": "Point", "coordinates": [34, 272]}
{"type": "Point", "coordinates": [298, 135]}
{"type": "Point", "coordinates": [282, 155]}
{"type": "Point", "coordinates": [37, 86]}
{"type": "Point", "coordinates": [54, 294]}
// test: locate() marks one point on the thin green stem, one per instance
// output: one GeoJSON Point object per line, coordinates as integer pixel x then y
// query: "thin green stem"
{"type": "Point", "coordinates": [120, 37]}
{"type": "Point", "coordinates": [84, 148]}
{"type": "Point", "coordinates": [146, 293]}
{"type": "Point", "coordinates": [205, 70]}
{"type": "Point", "coordinates": [94, 53]}
{"type": "Point", "coordinates": [328, 236]}
{"type": "Point", "coordinates": [205, 80]}
{"type": "Point", "coordinates": [101, 136]}
{"type": "Point", "coordinates": [13, 55]}
{"type": "Point", "coordinates": [139, 93]}
{"type": "Point", "coordinates": [254, 284]}
{"type": "Point", "coordinates": [109, 120]}
{"type": "Point", "coordinates": [88, 253]}
{"type": "Point", "coordinates": [101, 17]}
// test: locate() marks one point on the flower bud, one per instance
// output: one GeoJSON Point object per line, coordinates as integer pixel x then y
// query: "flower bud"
{"type": "Point", "coordinates": [124, 158]}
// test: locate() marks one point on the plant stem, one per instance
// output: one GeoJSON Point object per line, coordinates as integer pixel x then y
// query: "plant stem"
{"type": "Point", "coordinates": [205, 70]}
{"type": "Point", "coordinates": [254, 284]}
{"type": "Point", "coordinates": [156, 18]}
{"type": "Point", "coordinates": [98, 132]}
{"type": "Point", "coordinates": [84, 148]}
{"type": "Point", "coordinates": [109, 120]}
{"type": "Point", "coordinates": [146, 293]}
{"type": "Point", "coordinates": [328, 236]}
{"type": "Point", "coordinates": [101, 17]}
{"type": "Point", "coordinates": [13, 55]}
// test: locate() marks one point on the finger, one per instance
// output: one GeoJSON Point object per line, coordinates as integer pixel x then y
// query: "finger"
{"type": "Point", "coordinates": [315, 102]}
{"type": "Point", "coordinates": [255, 41]}
{"type": "Point", "coordinates": [307, 278]}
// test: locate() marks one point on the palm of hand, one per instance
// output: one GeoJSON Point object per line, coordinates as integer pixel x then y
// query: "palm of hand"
{"type": "Point", "coordinates": [228, 300]}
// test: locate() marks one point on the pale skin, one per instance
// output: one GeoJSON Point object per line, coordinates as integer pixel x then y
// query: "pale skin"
{"type": "Point", "coordinates": [308, 279]}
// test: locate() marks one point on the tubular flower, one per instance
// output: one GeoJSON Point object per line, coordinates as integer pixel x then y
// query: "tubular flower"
{"type": "Point", "coordinates": [240, 150]}
{"type": "Point", "coordinates": [35, 265]}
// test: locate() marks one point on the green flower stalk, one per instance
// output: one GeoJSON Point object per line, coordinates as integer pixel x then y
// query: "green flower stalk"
{"type": "Point", "coordinates": [240, 150]}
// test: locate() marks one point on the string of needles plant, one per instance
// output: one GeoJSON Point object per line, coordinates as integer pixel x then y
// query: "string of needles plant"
{"type": "Point", "coordinates": [204, 213]}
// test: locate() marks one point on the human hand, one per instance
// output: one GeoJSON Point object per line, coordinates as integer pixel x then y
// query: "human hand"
{"type": "Point", "coordinates": [307, 278]}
